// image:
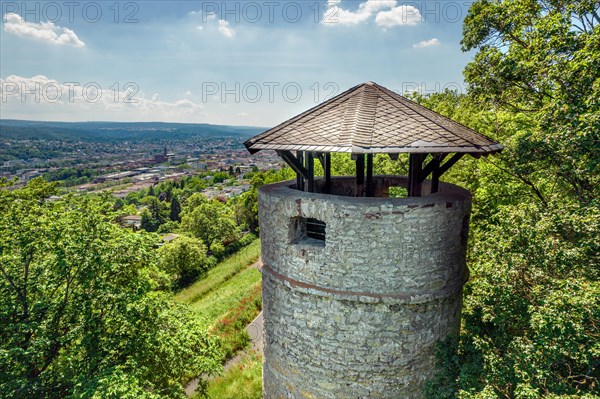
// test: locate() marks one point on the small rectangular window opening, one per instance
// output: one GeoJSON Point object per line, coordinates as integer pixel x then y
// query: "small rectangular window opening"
{"type": "Point", "coordinates": [315, 229]}
{"type": "Point", "coordinates": [307, 231]}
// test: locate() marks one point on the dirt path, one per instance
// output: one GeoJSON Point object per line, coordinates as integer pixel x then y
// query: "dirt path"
{"type": "Point", "coordinates": [255, 331]}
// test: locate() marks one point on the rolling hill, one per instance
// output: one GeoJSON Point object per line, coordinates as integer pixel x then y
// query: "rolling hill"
{"type": "Point", "coordinates": [116, 131]}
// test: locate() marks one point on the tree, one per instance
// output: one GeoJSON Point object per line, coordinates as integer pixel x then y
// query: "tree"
{"type": "Point", "coordinates": [184, 259]}
{"type": "Point", "coordinates": [534, 269]}
{"type": "Point", "coordinates": [175, 209]}
{"type": "Point", "coordinates": [80, 315]}
{"type": "Point", "coordinates": [541, 59]}
{"type": "Point", "coordinates": [532, 309]}
{"type": "Point", "coordinates": [220, 177]}
{"type": "Point", "coordinates": [147, 222]}
{"type": "Point", "coordinates": [154, 215]}
{"type": "Point", "coordinates": [119, 203]}
{"type": "Point", "coordinates": [194, 201]}
{"type": "Point", "coordinates": [210, 221]}
{"type": "Point", "coordinates": [132, 198]}
{"type": "Point", "coordinates": [245, 208]}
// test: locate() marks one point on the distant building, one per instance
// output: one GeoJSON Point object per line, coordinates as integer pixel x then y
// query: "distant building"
{"type": "Point", "coordinates": [164, 157]}
{"type": "Point", "coordinates": [169, 237]}
{"type": "Point", "coordinates": [25, 176]}
{"type": "Point", "coordinates": [133, 221]}
{"type": "Point", "coordinates": [115, 176]}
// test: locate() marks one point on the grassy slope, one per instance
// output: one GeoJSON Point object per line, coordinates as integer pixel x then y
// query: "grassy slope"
{"type": "Point", "coordinates": [218, 301]}
{"type": "Point", "coordinates": [243, 381]}
{"type": "Point", "coordinates": [222, 289]}
{"type": "Point", "coordinates": [224, 271]}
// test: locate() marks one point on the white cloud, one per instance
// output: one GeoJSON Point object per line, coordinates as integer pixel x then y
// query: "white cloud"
{"type": "Point", "coordinates": [387, 13]}
{"type": "Point", "coordinates": [427, 43]}
{"type": "Point", "coordinates": [377, 5]}
{"type": "Point", "coordinates": [335, 14]}
{"type": "Point", "coordinates": [225, 29]}
{"type": "Point", "coordinates": [185, 103]}
{"type": "Point", "coordinates": [42, 31]}
{"type": "Point", "coordinates": [398, 16]}
{"type": "Point", "coordinates": [210, 23]}
{"type": "Point", "coordinates": [40, 97]}
{"type": "Point", "coordinates": [243, 114]}
{"type": "Point", "coordinates": [187, 93]}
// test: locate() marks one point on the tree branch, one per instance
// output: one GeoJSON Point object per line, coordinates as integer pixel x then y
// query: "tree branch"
{"type": "Point", "coordinates": [523, 180]}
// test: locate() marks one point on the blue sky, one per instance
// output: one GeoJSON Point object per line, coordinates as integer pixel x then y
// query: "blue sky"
{"type": "Point", "coordinates": [226, 62]}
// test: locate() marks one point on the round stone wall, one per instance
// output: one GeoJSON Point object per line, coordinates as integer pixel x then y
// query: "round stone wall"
{"type": "Point", "coordinates": [357, 313]}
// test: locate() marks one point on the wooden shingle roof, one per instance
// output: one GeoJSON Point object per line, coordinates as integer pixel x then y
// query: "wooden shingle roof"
{"type": "Point", "coordinates": [369, 118]}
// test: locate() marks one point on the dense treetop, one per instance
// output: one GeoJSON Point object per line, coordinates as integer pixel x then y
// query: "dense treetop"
{"type": "Point", "coordinates": [82, 314]}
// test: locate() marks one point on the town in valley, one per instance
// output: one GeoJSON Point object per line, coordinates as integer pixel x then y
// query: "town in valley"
{"type": "Point", "coordinates": [124, 158]}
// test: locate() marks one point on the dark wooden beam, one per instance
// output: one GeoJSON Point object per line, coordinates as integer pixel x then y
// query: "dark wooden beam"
{"type": "Point", "coordinates": [296, 163]}
{"type": "Point", "coordinates": [431, 165]}
{"type": "Point", "coordinates": [321, 157]}
{"type": "Point", "coordinates": [435, 174]}
{"type": "Point", "coordinates": [327, 171]}
{"type": "Point", "coordinates": [310, 167]}
{"type": "Point", "coordinates": [437, 169]}
{"type": "Point", "coordinates": [369, 190]}
{"type": "Point", "coordinates": [301, 173]}
{"type": "Point", "coordinates": [449, 163]}
{"type": "Point", "coordinates": [415, 168]}
{"type": "Point", "coordinates": [360, 174]}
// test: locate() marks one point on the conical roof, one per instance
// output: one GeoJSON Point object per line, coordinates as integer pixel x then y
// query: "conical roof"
{"type": "Point", "coordinates": [369, 118]}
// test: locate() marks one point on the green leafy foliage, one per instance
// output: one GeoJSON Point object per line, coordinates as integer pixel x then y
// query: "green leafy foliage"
{"type": "Point", "coordinates": [184, 259]}
{"type": "Point", "coordinates": [210, 221]}
{"type": "Point", "coordinates": [531, 309]}
{"type": "Point", "coordinates": [71, 176]}
{"type": "Point", "coordinates": [155, 213]}
{"type": "Point", "coordinates": [245, 206]}
{"type": "Point", "coordinates": [540, 59]}
{"type": "Point", "coordinates": [531, 317]}
{"type": "Point", "coordinates": [80, 316]}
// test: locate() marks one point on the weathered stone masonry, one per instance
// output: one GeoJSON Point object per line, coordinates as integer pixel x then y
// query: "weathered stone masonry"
{"type": "Point", "coordinates": [357, 316]}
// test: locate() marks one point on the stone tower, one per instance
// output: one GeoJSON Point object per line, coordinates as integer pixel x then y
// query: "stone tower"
{"type": "Point", "coordinates": [357, 286]}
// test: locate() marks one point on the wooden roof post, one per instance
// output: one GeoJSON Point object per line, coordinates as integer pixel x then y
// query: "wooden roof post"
{"type": "Point", "coordinates": [435, 173]}
{"type": "Point", "coordinates": [369, 190]}
{"type": "Point", "coordinates": [310, 166]}
{"type": "Point", "coordinates": [299, 177]}
{"type": "Point", "coordinates": [327, 170]}
{"type": "Point", "coordinates": [415, 167]}
{"type": "Point", "coordinates": [360, 174]}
